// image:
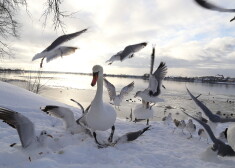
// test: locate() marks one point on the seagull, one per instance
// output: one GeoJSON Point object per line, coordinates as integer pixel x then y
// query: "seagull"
{"type": "Point", "coordinates": [66, 115]}
{"type": "Point", "coordinates": [212, 117]}
{"type": "Point", "coordinates": [155, 82]}
{"type": "Point", "coordinates": [167, 119]}
{"type": "Point", "coordinates": [117, 98]}
{"type": "Point", "coordinates": [202, 134]}
{"type": "Point", "coordinates": [190, 127]}
{"type": "Point", "coordinates": [219, 146]}
{"type": "Point", "coordinates": [179, 124]}
{"type": "Point", "coordinates": [208, 5]}
{"type": "Point", "coordinates": [131, 136]}
{"type": "Point", "coordinates": [128, 52]}
{"type": "Point", "coordinates": [55, 50]}
{"type": "Point", "coordinates": [24, 127]}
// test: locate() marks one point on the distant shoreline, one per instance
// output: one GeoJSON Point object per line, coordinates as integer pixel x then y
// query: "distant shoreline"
{"type": "Point", "coordinates": [219, 79]}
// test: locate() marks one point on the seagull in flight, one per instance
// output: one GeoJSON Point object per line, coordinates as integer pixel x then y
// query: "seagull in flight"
{"type": "Point", "coordinates": [128, 52]}
{"type": "Point", "coordinates": [24, 127]}
{"type": "Point", "coordinates": [212, 117]}
{"type": "Point", "coordinates": [155, 82]}
{"type": "Point", "coordinates": [55, 50]}
{"type": "Point", "coordinates": [117, 98]}
{"type": "Point", "coordinates": [219, 146]}
{"type": "Point", "coordinates": [211, 6]}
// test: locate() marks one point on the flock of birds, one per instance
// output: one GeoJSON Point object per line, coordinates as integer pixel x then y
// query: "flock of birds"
{"type": "Point", "coordinates": [101, 116]}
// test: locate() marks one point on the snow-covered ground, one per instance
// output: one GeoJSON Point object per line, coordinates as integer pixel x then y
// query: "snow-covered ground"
{"type": "Point", "coordinates": [157, 147]}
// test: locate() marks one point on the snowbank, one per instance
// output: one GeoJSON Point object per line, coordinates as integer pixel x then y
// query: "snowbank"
{"type": "Point", "coordinates": [158, 147]}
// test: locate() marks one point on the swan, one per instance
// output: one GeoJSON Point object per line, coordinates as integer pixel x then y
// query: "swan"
{"type": "Point", "coordinates": [128, 52]}
{"type": "Point", "coordinates": [117, 98]}
{"type": "Point", "coordinates": [100, 116]}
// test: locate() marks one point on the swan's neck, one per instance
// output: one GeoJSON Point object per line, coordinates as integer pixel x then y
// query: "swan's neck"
{"type": "Point", "coordinates": [99, 91]}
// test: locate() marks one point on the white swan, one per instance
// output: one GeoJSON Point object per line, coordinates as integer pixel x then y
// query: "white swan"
{"type": "Point", "coordinates": [100, 116]}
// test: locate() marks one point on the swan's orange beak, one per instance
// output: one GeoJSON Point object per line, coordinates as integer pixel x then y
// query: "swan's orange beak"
{"type": "Point", "coordinates": [95, 78]}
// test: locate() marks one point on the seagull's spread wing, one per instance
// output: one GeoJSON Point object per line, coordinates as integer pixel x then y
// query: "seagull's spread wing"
{"type": "Point", "coordinates": [126, 90]}
{"type": "Point", "coordinates": [208, 5]}
{"type": "Point", "coordinates": [63, 39]}
{"type": "Point", "coordinates": [60, 112]}
{"type": "Point", "coordinates": [152, 61]}
{"type": "Point", "coordinates": [111, 89]}
{"type": "Point", "coordinates": [22, 124]}
{"type": "Point", "coordinates": [59, 52]}
{"type": "Point", "coordinates": [131, 49]}
{"type": "Point", "coordinates": [207, 128]}
{"type": "Point", "coordinates": [208, 113]}
{"type": "Point", "coordinates": [131, 136]}
{"type": "Point", "coordinates": [159, 75]}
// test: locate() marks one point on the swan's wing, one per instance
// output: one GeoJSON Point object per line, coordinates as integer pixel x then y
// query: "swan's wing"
{"type": "Point", "coordinates": [208, 5]}
{"type": "Point", "coordinates": [127, 89]}
{"type": "Point", "coordinates": [79, 104]}
{"type": "Point", "coordinates": [111, 89]}
{"type": "Point", "coordinates": [212, 117]}
{"type": "Point", "coordinates": [159, 75]}
{"type": "Point", "coordinates": [63, 39]}
{"type": "Point", "coordinates": [60, 112]}
{"type": "Point", "coordinates": [131, 49]}
{"type": "Point", "coordinates": [60, 52]}
{"type": "Point", "coordinates": [22, 124]}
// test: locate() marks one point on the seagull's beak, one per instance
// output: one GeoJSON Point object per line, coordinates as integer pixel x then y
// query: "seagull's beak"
{"type": "Point", "coordinates": [50, 136]}
{"type": "Point", "coordinates": [95, 78]}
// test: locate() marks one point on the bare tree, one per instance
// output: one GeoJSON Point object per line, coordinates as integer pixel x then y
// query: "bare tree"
{"type": "Point", "coordinates": [53, 8]}
{"type": "Point", "coordinates": [9, 25]}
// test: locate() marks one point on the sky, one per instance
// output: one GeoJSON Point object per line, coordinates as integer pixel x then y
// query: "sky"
{"type": "Point", "coordinates": [191, 40]}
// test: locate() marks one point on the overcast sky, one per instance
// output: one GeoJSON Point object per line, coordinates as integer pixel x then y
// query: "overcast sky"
{"type": "Point", "coordinates": [191, 40]}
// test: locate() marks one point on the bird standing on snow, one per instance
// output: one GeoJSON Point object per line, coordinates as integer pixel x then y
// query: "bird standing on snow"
{"type": "Point", "coordinates": [55, 50]}
{"type": "Point", "coordinates": [24, 127]}
{"type": "Point", "coordinates": [219, 146]}
{"type": "Point", "coordinates": [117, 99]}
{"type": "Point", "coordinates": [167, 119]}
{"type": "Point", "coordinates": [179, 124]}
{"type": "Point", "coordinates": [100, 116]}
{"type": "Point", "coordinates": [202, 134]}
{"type": "Point", "coordinates": [128, 52]}
{"type": "Point", "coordinates": [190, 127]}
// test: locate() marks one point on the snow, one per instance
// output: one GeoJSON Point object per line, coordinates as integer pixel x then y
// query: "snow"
{"type": "Point", "coordinates": [157, 147]}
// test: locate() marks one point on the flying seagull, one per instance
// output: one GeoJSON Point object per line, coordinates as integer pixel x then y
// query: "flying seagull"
{"type": "Point", "coordinates": [55, 50]}
{"type": "Point", "coordinates": [219, 146]}
{"type": "Point", "coordinates": [117, 98]}
{"type": "Point", "coordinates": [211, 6]}
{"type": "Point", "coordinates": [212, 117]}
{"type": "Point", "coordinates": [66, 115]}
{"type": "Point", "coordinates": [128, 52]}
{"type": "Point", "coordinates": [155, 81]}
{"type": "Point", "coordinates": [24, 127]}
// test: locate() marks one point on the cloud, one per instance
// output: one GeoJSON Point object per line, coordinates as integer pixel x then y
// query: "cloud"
{"type": "Point", "coordinates": [188, 38]}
